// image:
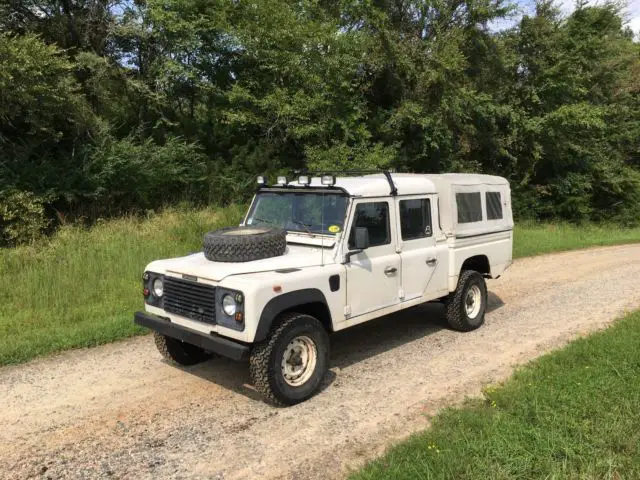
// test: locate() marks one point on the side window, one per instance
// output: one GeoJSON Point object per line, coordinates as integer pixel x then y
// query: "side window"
{"type": "Point", "coordinates": [415, 218]}
{"type": "Point", "coordinates": [469, 207]}
{"type": "Point", "coordinates": [494, 205]}
{"type": "Point", "coordinates": [374, 217]}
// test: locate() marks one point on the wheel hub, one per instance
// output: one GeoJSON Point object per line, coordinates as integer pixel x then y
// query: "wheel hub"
{"type": "Point", "coordinates": [299, 360]}
{"type": "Point", "coordinates": [473, 301]}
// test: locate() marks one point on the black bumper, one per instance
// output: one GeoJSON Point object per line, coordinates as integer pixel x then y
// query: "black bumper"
{"type": "Point", "coordinates": [212, 342]}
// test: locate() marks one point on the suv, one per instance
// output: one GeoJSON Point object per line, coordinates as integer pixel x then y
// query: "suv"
{"type": "Point", "coordinates": [322, 254]}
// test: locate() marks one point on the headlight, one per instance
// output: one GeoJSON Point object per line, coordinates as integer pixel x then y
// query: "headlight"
{"type": "Point", "coordinates": [229, 305]}
{"type": "Point", "coordinates": [158, 287]}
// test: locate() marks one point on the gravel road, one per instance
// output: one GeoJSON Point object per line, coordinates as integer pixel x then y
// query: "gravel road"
{"type": "Point", "coordinates": [119, 411]}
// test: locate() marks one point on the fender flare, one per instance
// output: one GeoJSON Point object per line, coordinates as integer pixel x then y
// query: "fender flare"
{"type": "Point", "coordinates": [283, 302]}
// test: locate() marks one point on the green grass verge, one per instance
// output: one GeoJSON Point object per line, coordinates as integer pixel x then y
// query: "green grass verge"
{"type": "Point", "coordinates": [81, 286]}
{"type": "Point", "coordinates": [574, 413]}
{"type": "Point", "coordinates": [531, 238]}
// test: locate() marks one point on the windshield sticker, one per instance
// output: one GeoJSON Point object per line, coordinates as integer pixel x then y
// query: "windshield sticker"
{"type": "Point", "coordinates": [334, 228]}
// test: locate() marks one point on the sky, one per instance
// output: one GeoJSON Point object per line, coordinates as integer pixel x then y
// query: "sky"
{"type": "Point", "coordinates": [632, 13]}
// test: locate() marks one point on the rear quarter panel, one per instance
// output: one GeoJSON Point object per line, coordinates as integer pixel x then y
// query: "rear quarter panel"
{"type": "Point", "coordinates": [497, 247]}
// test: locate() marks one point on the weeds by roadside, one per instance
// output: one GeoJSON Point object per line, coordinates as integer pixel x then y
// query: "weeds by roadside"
{"type": "Point", "coordinates": [532, 238]}
{"type": "Point", "coordinates": [80, 287]}
{"type": "Point", "coordinates": [573, 413]}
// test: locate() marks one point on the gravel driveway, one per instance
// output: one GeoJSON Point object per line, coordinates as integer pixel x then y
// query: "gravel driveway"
{"type": "Point", "coordinates": [119, 411]}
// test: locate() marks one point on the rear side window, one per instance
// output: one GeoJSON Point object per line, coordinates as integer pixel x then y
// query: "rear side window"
{"type": "Point", "coordinates": [415, 218]}
{"type": "Point", "coordinates": [494, 205]}
{"type": "Point", "coordinates": [469, 207]}
{"type": "Point", "coordinates": [374, 217]}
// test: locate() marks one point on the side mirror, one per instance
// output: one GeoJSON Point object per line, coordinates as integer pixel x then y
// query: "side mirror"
{"type": "Point", "coordinates": [361, 238]}
{"type": "Point", "coordinates": [360, 242]}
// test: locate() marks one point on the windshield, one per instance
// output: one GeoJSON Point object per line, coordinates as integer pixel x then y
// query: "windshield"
{"type": "Point", "coordinates": [299, 211]}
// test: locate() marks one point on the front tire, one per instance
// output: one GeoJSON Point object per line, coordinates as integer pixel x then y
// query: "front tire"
{"type": "Point", "coordinates": [289, 365]}
{"type": "Point", "coordinates": [467, 305]}
{"type": "Point", "coordinates": [178, 351]}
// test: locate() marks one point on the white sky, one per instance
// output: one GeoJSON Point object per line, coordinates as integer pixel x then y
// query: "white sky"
{"type": "Point", "coordinates": [632, 13]}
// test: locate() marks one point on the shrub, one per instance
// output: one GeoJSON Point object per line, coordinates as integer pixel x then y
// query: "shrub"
{"type": "Point", "coordinates": [22, 217]}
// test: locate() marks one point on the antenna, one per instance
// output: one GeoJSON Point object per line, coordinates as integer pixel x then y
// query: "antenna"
{"type": "Point", "coordinates": [322, 233]}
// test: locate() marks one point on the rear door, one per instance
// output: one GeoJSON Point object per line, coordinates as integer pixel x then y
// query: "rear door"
{"type": "Point", "coordinates": [417, 245]}
{"type": "Point", "coordinates": [373, 276]}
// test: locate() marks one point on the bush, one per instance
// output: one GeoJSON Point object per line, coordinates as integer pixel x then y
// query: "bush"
{"type": "Point", "coordinates": [22, 217]}
{"type": "Point", "coordinates": [129, 174]}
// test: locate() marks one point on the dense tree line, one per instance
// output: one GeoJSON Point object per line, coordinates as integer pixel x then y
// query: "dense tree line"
{"type": "Point", "coordinates": [109, 106]}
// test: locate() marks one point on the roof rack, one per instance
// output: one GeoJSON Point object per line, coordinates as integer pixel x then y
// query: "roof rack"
{"type": "Point", "coordinates": [386, 173]}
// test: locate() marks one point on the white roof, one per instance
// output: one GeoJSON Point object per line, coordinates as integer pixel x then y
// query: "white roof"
{"type": "Point", "coordinates": [376, 185]}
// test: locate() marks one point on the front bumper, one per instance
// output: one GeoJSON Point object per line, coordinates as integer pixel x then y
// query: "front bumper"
{"type": "Point", "coordinates": [212, 342]}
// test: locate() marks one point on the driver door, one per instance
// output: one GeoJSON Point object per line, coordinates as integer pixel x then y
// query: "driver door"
{"type": "Point", "coordinates": [373, 275]}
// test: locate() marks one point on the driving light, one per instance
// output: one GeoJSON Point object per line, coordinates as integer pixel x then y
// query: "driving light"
{"type": "Point", "coordinates": [282, 181]}
{"type": "Point", "coordinates": [229, 305]}
{"type": "Point", "coordinates": [261, 180]}
{"type": "Point", "coordinates": [304, 180]}
{"type": "Point", "coordinates": [158, 287]}
{"type": "Point", "coordinates": [328, 180]}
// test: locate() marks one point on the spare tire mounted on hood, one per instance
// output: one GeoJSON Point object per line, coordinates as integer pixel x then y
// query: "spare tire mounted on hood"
{"type": "Point", "coordinates": [244, 244]}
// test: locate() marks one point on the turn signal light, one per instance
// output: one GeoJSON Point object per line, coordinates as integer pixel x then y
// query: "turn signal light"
{"type": "Point", "coordinates": [239, 317]}
{"type": "Point", "coordinates": [146, 292]}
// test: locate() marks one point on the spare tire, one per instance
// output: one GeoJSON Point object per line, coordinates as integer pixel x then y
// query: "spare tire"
{"type": "Point", "coordinates": [244, 244]}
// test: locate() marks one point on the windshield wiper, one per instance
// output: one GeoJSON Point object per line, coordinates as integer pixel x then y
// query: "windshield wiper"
{"type": "Point", "coordinates": [303, 225]}
{"type": "Point", "coordinates": [264, 220]}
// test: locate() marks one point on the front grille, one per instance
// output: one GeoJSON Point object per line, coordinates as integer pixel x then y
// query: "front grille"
{"type": "Point", "coordinates": [193, 300]}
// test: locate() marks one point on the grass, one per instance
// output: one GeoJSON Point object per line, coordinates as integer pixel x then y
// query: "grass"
{"type": "Point", "coordinates": [574, 414]}
{"type": "Point", "coordinates": [81, 286]}
{"type": "Point", "coordinates": [532, 238]}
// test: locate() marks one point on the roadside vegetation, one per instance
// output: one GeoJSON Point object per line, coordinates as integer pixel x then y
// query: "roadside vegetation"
{"type": "Point", "coordinates": [80, 286]}
{"type": "Point", "coordinates": [534, 238]}
{"type": "Point", "coordinates": [573, 413]}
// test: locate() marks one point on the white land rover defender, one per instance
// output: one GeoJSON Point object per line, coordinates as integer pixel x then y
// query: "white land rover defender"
{"type": "Point", "coordinates": [322, 254]}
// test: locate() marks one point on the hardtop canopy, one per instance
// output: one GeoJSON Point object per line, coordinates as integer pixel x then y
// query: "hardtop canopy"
{"type": "Point", "coordinates": [474, 190]}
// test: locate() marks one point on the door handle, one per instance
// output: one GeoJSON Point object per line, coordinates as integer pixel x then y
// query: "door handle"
{"type": "Point", "coordinates": [432, 261]}
{"type": "Point", "coordinates": [390, 270]}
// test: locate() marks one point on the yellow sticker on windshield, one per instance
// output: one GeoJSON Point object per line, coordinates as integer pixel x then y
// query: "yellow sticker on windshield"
{"type": "Point", "coordinates": [334, 228]}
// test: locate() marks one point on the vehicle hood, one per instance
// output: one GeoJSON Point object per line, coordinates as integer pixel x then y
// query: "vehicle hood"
{"type": "Point", "coordinates": [295, 256]}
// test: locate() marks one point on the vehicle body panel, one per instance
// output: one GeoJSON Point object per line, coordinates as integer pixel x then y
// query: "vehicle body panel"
{"type": "Point", "coordinates": [426, 268]}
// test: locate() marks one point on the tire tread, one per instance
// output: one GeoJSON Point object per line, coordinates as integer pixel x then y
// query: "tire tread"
{"type": "Point", "coordinates": [220, 246]}
{"type": "Point", "coordinates": [455, 317]}
{"type": "Point", "coordinates": [259, 360]}
{"type": "Point", "coordinates": [178, 352]}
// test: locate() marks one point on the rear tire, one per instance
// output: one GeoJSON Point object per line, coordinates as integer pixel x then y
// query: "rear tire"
{"type": "Point", "coordinates": [289, 365]}
{"type": "Point", "coordinates": [179, 352]}
{"type": "Point", "coordinates": [467, 305]}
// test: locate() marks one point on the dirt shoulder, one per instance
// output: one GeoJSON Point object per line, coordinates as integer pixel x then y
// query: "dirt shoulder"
{"type": "Point", "coordinates": [119, 411]}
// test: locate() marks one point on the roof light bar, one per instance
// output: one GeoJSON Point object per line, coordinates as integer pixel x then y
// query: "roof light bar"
{"type": "Point", "coordinates": [261, 180]}
{"type": "Point", "coordinates": [304, 180]}
{"type": "Point", "coordinates": [328, 180]}
{"type": "Point", "coordinates": [282, 180]}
